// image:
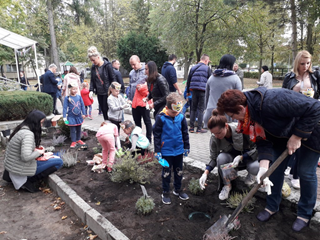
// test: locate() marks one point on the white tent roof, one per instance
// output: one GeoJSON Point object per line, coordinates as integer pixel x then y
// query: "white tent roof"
{"type": "Point", "coordinates": [13, 40]}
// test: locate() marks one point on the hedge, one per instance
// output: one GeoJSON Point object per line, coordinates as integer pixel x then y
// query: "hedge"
{"type": "Point", "coordinates": [15, 105]}
{"type": "Point", "coordinates": [251, 75]}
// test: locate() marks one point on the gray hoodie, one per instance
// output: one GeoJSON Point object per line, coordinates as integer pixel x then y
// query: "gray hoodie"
{"type": "Point", "coordinates": [136, 77]}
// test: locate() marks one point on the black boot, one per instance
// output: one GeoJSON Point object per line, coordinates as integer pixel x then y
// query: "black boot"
{"type": "Point", "coordinates": [30, 187]}
{"type": "Point", "coordinates": [6, 176]}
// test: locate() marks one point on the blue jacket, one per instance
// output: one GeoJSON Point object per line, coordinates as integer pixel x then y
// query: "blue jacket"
{"type": "Point", "coordinates": [171, 135]}
{"type": "Point", "coordinates": [282, 112]}
{"type": "Point", "coordinates": [49, 82]}
{"type": "Point", "coordinates": [185, 95]}
{"type": "Point", "coordinates": [169, 72]}
{"type": "Point", "coordinates": [198, 77]}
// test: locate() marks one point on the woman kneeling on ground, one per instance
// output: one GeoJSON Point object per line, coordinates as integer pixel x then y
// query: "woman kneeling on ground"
{"type": "Point", "coordinates": [21, 166]}
{"type": "Point", "coordinates": [228, 146]}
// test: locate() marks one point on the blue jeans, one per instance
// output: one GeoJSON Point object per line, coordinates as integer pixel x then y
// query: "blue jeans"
{"type": "Point", "coordinates": [75, 133]}
{"type": "Point", "coordinates": [186, 106]}
{"type": "Point", "coordinates": [176, 163]}
{"type": "Point", "coordinates": [51, 162]}
{"type": "Point", "coordinates": [198, 98]}
{"type": "Point", "coordinates": [307, 166]}
{"type": "Point", "coordinates": [24, 88]}
{"type": "Point", "coordinates": [90, 110]}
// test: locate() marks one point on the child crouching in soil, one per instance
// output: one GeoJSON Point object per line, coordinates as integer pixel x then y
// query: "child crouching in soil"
{"type": "Point", "coordinates": [138, 141]}
{"type": "Point", "coordinates": [171, 141]}
{"type": "Point", "coordinates": [107, 136]}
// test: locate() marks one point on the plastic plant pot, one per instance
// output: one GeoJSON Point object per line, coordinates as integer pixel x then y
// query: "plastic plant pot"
{"type": "Point", "coordinates": [54, 123]}
{"type": "Point", "coordinates": [199, 217]}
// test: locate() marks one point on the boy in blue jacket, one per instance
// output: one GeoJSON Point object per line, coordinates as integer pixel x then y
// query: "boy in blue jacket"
{"type": "Point", "coordinates": [171, 142]}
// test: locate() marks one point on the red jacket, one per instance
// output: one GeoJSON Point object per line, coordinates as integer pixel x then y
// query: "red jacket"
{"type": "Point", "coordinates": [85, 97]}
{"type": "Point", "coordinates": [139, 95]}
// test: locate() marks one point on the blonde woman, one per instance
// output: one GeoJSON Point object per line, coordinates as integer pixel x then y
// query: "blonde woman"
{"type": "Point", "coordinates": [102, 75]}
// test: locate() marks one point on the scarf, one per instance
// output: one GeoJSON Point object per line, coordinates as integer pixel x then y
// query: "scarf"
{"type": "Point", "coordinates": [223, 72]}
{"type": "Point", "coordinates": [251, 128]}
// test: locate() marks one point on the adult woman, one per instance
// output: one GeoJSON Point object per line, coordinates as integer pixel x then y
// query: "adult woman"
{"type": "Point", "coordinates": [300, 79]}
{"type": "Point", "coordinates": [158, 87]}
{"type": "Point", "coordinates": [277, 119]}
{"type": "Point", "coordinates": [71, 77]}
{"type": "Point", "coordinates": [226, 146]}
{"type": "Point", "coordinates": [223, 78]}
{"type": "Point", "coordinates": [102, 76]}
{"type": "Point", "coordinates": [21, 166]}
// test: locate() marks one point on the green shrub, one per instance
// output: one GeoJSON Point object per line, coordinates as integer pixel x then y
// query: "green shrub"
{"type": "Point", "coordinates": [235, 199]}
{"type": "Point", "coordinates": [251, 75]}
{"type": "Point", "coordinates": [145, 205]}
{"type": "Point", "coordinates": [194, 187]}
{"type": "Point", "coordinates": [65, 130]}
{"type": "Point", "coordinates": [128, 168]}
{"type": "Point", "coordinates": [15, 105]}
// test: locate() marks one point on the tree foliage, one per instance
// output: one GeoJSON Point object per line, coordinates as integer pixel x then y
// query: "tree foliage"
{"type": "Point", "coordinates": [147, 48]}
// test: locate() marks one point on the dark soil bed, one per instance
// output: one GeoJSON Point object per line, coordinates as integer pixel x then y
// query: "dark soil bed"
{"type": "Point", "coordinates": [116, 202]}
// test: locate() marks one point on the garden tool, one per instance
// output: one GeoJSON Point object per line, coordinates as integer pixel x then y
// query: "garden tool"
{"type": "Point", "coordinates": [225, 224]}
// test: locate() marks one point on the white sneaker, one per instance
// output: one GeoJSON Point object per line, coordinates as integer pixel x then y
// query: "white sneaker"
{"type": "Point", "coordinates": [295, 183]}
{"type": "Point", "coordinates": [290, 176]}
{"type": "Point", "coordinates": [224, 194]}
{"type": "Point", "coordinates": [250, 179]}
{"type": "Point", "coordinates": [287, 171]}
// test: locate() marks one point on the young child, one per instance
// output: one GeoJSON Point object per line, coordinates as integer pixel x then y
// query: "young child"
{"type": "Point", "coordinates": [171, 142]}
{"type": "Point", "coordinates": [138, 141]}
{"type": "Point", "coordinates": [116, 104]}
{"type": "Point", "coordinates": [86, 99]}
{"type": "Point", "coordinates": [107, 136]}
{"type": "Point", "coordinates": [73, 106]}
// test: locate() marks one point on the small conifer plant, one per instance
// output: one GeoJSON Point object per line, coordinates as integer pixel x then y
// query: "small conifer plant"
{"type": "Point", "coordinates": [194, 187]}
{"type": "Point", "coordinates": [236, 198]}
{"type": "Point", "coordinates": [145, 205]}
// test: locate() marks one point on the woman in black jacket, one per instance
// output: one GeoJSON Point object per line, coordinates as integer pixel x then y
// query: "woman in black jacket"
{"type": "Point", "coordinates": [102, 76]}
{"type": "Point", "coordinates": [158, 87]}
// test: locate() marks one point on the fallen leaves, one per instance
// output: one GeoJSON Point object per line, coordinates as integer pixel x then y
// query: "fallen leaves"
{"type": "Point", "coordinates": [91, 237]}
{"type": "Point", "coordinates": [98, 203]}
{"type": "Point", "coordinates": [3, 232]}
{"type": "Point", "coordinates": [64, 217]}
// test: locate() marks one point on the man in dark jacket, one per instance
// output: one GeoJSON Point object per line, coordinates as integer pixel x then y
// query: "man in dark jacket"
{"type": "Point", "coordinates": [197, 81]}
{"type": "Point", "coordinates": [169, 72]}
{"type": "Point", "coordinates": [50, 85]}
{"type": "Point", "coordinates": [117, 73]}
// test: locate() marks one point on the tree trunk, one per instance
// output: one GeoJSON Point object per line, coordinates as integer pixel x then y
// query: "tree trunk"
{"type": "Point", "coordinates": [52, 34]}
{"type": "Point", "coordinates": [309, 38]}
{"type": "Point", "coordinates": [294, 28]}
{"type": "Point", "coordinates": [301, 35]}
{"type": "Point", "coordinates": [187, 62]}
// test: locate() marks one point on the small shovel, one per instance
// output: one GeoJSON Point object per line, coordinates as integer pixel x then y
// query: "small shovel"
{"type": "Point", "coordinates": [221, 226]}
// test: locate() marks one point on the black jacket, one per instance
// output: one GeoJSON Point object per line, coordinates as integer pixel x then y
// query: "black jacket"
{"type": "Point", "coordinates": [107, 78]}
{"type": "Point", "coordinates": [119, 79]}
{"type": "Point", "coordinates": [290, 81]}
{"type": "Point", "coordinates": [159, 92]}
{"type": "Point", "coordinates": [282, 112]}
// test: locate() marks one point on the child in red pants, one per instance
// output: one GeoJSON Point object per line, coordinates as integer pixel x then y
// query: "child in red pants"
{"type": "Point", "coordinates": [107, 136]}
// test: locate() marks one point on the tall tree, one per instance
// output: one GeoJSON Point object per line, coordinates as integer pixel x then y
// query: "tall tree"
{"type": "Point", "coordinates": [54, 49]}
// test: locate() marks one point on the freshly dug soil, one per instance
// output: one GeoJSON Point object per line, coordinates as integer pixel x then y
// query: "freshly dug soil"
{"type": "Point", "coordinates": [116, 202]}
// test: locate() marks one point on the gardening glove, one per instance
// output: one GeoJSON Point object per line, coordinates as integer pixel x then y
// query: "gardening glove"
{"type": "Point", "coordinates": [90, 94]}
{"type": "Point", "coordinates": [266, 182]}
{"type": "Point", "coordinates": [186, 152]}
{"type": "Point", "coordinates": [202, 181]}
{"type": "Point", "coordinates": [65, 120]}
{"type": "Point", "coordinates": [158, 156]}
{"type": "Point", "coordinates": [237, 160]}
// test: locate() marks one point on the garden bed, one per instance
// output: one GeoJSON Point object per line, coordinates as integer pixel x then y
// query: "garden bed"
{"type": "Point", "coordinates": [116, 202]}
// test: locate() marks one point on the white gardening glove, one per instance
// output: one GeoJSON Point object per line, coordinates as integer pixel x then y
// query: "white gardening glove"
{"type": "Point", "coordinates": [267, 184]}
{"type": "Point", "coordinates": [203, 180]}
{"type": "Point", "coordinates": [237, 160]}
{"type": "Point", "coordinates": [125, 106]}
{"type": "Point", "coordinates": [90, 94]}
{"type": "Point", "coordinates": [65, 119]}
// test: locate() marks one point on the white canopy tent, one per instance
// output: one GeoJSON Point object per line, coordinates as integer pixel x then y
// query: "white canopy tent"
{"type": "Point", "coordinates": [16, 41]}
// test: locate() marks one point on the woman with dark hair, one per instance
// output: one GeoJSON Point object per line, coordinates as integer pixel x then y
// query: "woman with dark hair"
{"type": "Point", "coordinates": [71, 77]}
{"type": "Point", "coordinates": [158, 87]}
{"type": "Point", "coordinates": [222, 79]}
{"type": "Point", "coordinates": [280, 119]}
{"type": "Point", "coordinates": [20, 164]}
{"type": "Point", "coordinates": [228, 146]}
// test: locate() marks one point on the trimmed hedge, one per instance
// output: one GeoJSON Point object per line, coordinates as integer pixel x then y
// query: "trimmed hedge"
{"type": "Point", "coordinates": [15, 105]}
{"type": "Point", "coordinates": [251, 75]}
